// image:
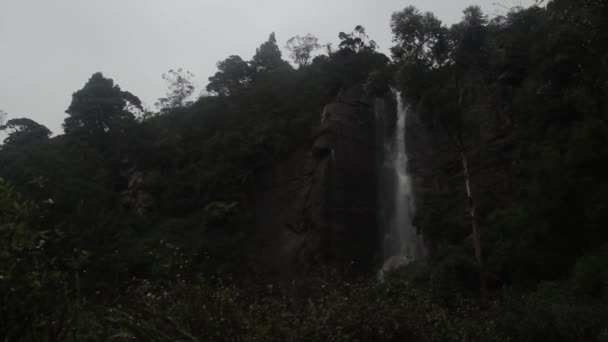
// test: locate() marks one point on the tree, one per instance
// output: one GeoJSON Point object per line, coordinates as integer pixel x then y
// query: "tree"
{"type": "Point", "coordinates": [234, 74]}
{"type": "Point", "coordinates": [24, 131]}
{"type": "Point", "coordinates": [441, 69]}
{"type": "Point", "coordinates": [356, 41]}
{"type": "Point", "coordinates": [419, 37]}
{"type": "Point", "coordinates": [468, 114]}
{"type": "Point", "coordinates": [3, 116]}
{"type": "Point", "coordinates": [302, 48]}
{"type": "Point", "coordinates": [268, 56]}
{"type": "Point", "coordinates": [469, 39]}
{"type": "Point", "coordinates": [458, 117]}
{"type": "Point", "coordinates": [100, 106]}
{"type": "Point", "coordinates": [180, 89]}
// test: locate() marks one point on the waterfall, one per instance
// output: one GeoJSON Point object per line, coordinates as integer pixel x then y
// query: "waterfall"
{"type": "Point", "coordinates": [401, 243]}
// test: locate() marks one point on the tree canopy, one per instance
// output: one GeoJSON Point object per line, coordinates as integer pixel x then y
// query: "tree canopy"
{"type": "Point", "coordinates": [23, 131]}
{"type": "Point", "coordinates": [180, 90]}
{"type": "Point", "coordinates": [419, 37]}
{"type": "Point", "coordinates": [3, 116]}
{"type": "Point", "coordinates": [302, 48]}
{"type": "Point", "coordinates": [100, 106]}
{"type": "Point", "coordinates": [150, 229]}
{"type": "Point", "coordinates": [268, 56]}
{"type": "Point", "coordinates": [356, 41]}
{"type": "Point", "coordinates": [234, 74]}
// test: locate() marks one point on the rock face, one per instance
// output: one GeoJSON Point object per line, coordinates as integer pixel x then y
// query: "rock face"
{"type": "Point", "coordinates": [135, 197]}
{"type": "Point", "coordinates": [319, 207]}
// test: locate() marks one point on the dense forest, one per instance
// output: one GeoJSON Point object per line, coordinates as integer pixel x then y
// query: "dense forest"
{"type": "Point", "coordinates": [139, 225]}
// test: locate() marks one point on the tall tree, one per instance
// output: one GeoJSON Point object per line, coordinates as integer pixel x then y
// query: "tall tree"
{"type": "Point", "coordinates": [24, 131]}
{"type": "Point", "coordinates": [467, 96]}
{"type": "Point", "coordinates": [469, 40]}
{"type": "Point", "coordinates": [180, 90]}
{"type": "Point", "coordinates": [99, 107]}
{"type": "Point", "coordinates": [302, 48]}
{"type": "Point", "coordinates": [455, 97]}
{"type": "Point", "coordinates": [3, 116]}
{"type": "Point", "coordinates": [419, 37]}
{"type": "Point", "coordinates": [234, 74]}
{"type": "Point", "coordinates": [356, 41]}
{"type": "Point", "coordinates": [268, 56]}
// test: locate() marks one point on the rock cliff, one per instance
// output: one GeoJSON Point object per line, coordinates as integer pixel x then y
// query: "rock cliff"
{"type": "Point", "coordinates": [320, 206]}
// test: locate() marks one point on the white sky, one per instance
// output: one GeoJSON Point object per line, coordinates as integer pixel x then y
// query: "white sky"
{"type": "Point", "coordinates": [49, 48]}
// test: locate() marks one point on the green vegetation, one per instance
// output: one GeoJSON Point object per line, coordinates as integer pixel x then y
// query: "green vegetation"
{"type": "Point", "coordinates": [138, 226]}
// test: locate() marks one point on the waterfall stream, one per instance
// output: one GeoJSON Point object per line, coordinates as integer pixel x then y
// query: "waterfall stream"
{"type": "Point", "coordinates": [401, 242]}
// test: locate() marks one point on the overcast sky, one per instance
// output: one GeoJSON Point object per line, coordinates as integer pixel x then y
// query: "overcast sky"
{"type": "Point", "coordinates": [49, 48]}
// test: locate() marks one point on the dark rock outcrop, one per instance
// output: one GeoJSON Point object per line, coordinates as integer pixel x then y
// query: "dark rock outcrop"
{"type": "Point", "coordinates": [319, 207]}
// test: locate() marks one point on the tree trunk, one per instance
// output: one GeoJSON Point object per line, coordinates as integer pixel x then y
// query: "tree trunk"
{"type": "Point", "coordinates": [475, 230]}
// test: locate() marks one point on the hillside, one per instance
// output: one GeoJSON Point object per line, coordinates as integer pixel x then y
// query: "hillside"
{"type": "Point", "coordinates": [261, 210]}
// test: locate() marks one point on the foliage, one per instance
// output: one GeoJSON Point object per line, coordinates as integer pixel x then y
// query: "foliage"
{"type": "Point", "coordinates": [268, 56]}
{"type": "Point", "coordinates": [36, 290]}
{"type": "Point", "coordinates": [3, 116]}
{"type": "Point", "coordinates": [180, 89]}
{"type": "Point", "coordinates": [334, 309]}
{"type": "Point", "coordinates": [520, 98]}
{"type": "Point", "coordinates": [130, 230]}
{"type": "Point", "coordinates": [100, 106]}
{"type": "Point", "coordinates": [357, 40]}
{"type": "Point", "coordinates": [419, 37]}
{"type": "Point", "coordinates": [24, 131]}
{"type": "Point", "coordinates": [302, 48]}
{"type": "Point", "coordinates": [234, 74]}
